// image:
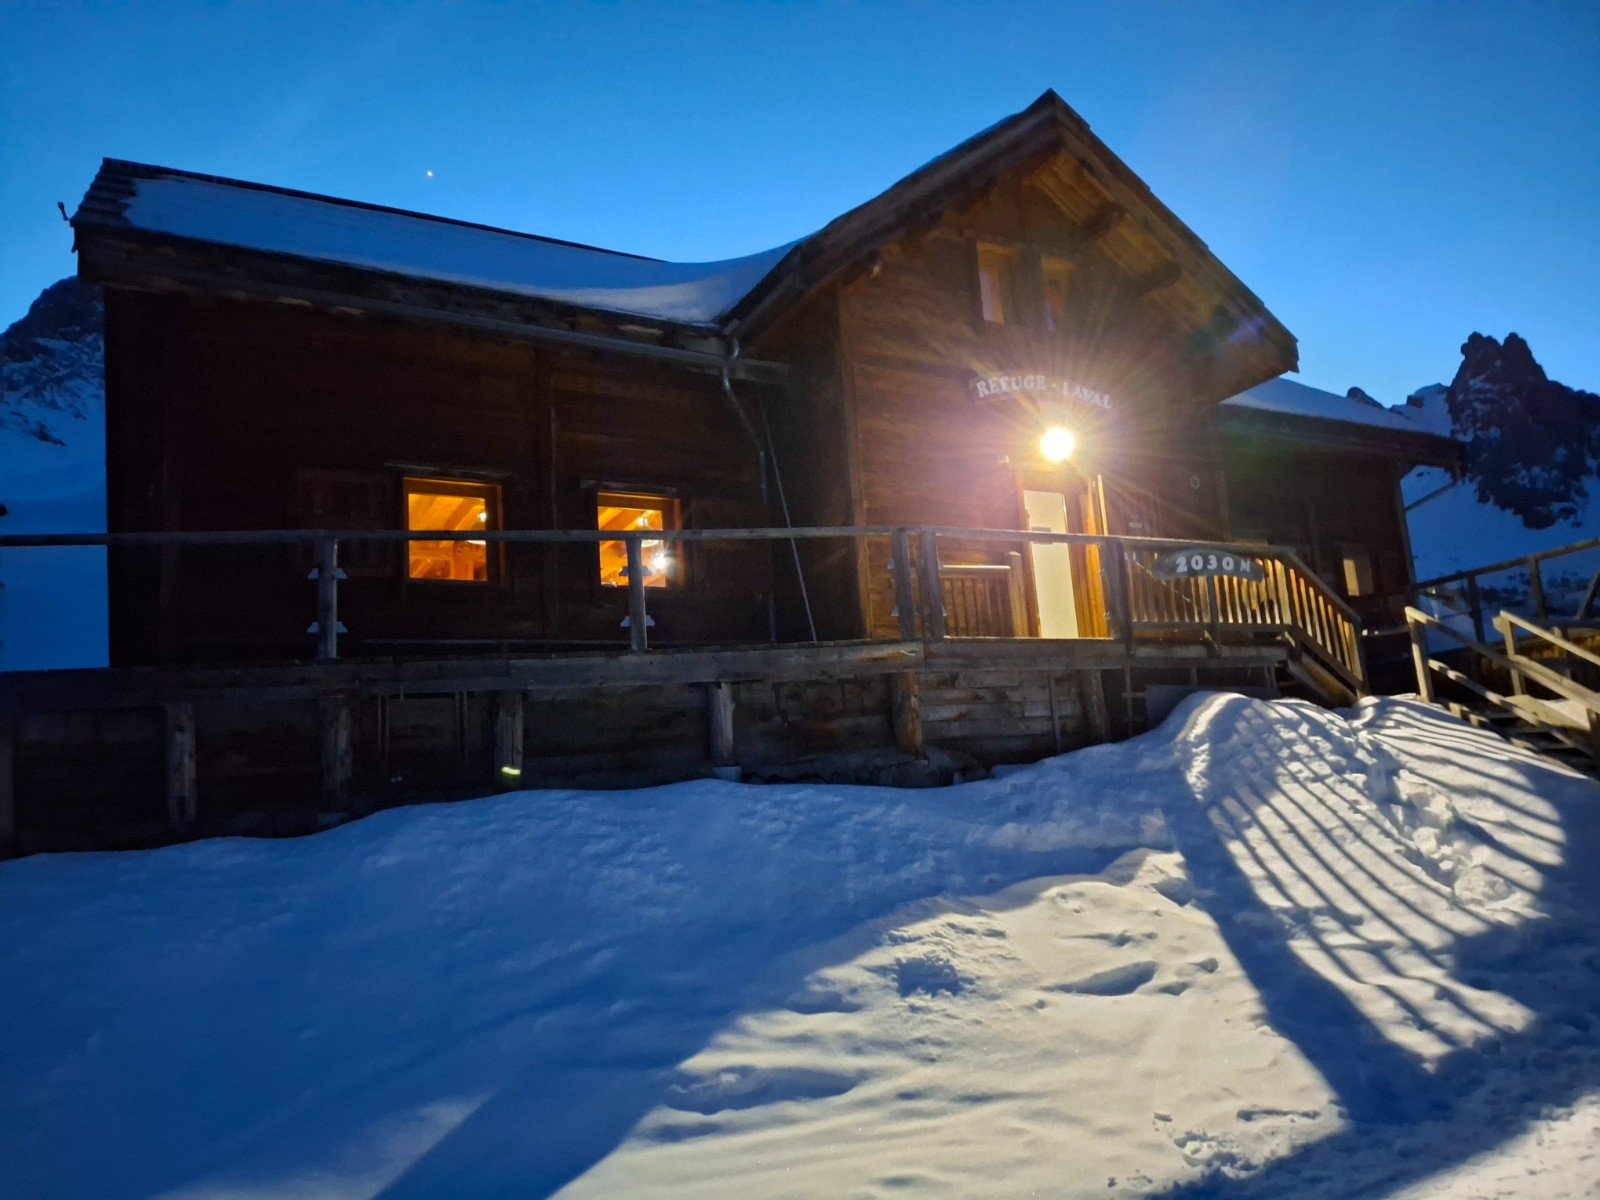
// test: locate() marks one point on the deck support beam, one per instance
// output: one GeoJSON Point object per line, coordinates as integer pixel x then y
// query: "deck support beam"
{"type": "Point", "coordinates": [182, 801]}
{"type": "Point", "coordinates": [508, 726]}
{"type": "Point", "coordinates": [905, 704]}
{"type": "Point", "coordinates": [719, 719]}
{"type": "Point", "coordinates": [338, 762]}
{"type": "Point", "coordinates": [1096, 715]}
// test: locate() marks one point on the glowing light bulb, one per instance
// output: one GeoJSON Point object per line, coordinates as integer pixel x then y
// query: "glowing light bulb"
{"type": "Point", "coordinates": [1057, 444]}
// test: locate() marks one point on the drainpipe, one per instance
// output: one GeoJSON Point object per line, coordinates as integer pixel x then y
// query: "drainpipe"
{"type": "Point", "coordinates": [766, 454]}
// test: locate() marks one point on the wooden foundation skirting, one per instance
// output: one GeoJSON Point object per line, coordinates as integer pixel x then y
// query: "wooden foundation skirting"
{"type": "Point", "coordinates": [275, 749]}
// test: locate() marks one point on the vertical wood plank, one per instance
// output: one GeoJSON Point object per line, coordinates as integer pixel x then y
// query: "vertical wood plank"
{"type": "Point", "coordinates": [508, 726]}
{"type": "Point", "coordinates": [182, 804]}
{"type": "Point", "coordinates": [906, 710]}
{"type": "Point", "coordinates": [337, 759]}
{"type": "Point", "coordinates": [719, 720]}
{"type": "Point", "coordinates": [1016, 599]}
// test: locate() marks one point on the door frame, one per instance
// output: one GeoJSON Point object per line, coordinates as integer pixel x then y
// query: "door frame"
{"type": "Point", "coordinates": [1086, 513]}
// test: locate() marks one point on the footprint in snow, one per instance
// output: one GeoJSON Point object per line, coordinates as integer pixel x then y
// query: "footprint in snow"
{"type": "Point", "coordinates": [1113, 981]}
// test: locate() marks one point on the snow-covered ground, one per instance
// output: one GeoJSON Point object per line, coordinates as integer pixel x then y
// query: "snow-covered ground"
{"type": "Point", "coordinates": [53, 600]}
{"type": "Point", "coordinates": [1266, 950]}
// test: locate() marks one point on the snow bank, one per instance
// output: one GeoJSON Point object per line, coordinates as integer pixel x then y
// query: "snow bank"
{"type": "Point", "coordinates": [1265, 947]}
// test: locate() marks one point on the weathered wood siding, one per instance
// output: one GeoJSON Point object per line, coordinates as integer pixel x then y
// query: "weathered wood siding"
{"type": "Point", "coordinates": [219, 411]}
{"type": "Point", "coordinates": [915, 448]}
{"type": "Point", "coordinates": [1317, 502]}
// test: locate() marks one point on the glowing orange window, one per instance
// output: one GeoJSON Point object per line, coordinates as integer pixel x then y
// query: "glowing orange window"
{"type": "Point", "coordinates": [458, 507]}
{"type": "Point", "coordinates": [639, 512]}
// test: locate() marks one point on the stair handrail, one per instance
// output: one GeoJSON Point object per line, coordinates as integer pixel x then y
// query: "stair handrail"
{"type": "Point", "coordinates": [1548, 635]}
{"type": "Point", "coordinates": [1356, 679]}
{"type": "Point", "coordinates": [1543, 676]}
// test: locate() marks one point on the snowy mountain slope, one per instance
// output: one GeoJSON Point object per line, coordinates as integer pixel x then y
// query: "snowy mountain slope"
{"type": "Point", "coordinates": [1266, 950]}
{"type": "Point", "coordinates": [52, 480]}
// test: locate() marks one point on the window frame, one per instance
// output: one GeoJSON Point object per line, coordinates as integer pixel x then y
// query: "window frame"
{"type": "Point", "coordinates": [455, 485]}
{"type": "Point", "coordinates": [1007, 283]}
{"type": "Point", "coordinates": [1055, 267]}
{"type": "Point", "coordinates": [1353, 556]}
{"type": "Point", "coordinates": [671, 505]}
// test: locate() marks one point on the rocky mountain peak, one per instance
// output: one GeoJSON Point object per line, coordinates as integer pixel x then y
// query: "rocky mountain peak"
{"type": "Point", "coordinates": [52, 363]}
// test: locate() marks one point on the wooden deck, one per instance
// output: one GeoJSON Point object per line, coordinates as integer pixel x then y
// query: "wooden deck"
{"type": "Point", "coordinates": [182, 749]}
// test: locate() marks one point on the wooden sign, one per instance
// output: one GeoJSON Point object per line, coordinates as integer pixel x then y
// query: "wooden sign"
{"type": "Point", "coordinates": [986, 389]}
{"type": "Point", "coordinates": [1198, 564]}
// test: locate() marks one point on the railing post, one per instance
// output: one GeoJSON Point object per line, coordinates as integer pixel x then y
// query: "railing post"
{"type": "Point", "coordinates": [1419, 658]}
{"type": "Point", "coordinates": [1214, 609]}
{"type": "Point", "coordinates": [933, 624]}
{"type": "Point", "coordinates": [1475, 607]}
{"type": "Point", "coordinates": [1116, 577]}
{"type": "Point", "coordinates": [638, 634]}
{"type": "Point", "coordinates": [905, 602]}
{"type": "Point", "coordinates": [1508, 631]}
{"type": "Point", "coordinates": [1536, 589]}
{"type": "Point", "coordinates": [327, 574]}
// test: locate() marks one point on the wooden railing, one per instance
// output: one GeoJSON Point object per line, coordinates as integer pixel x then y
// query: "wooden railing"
{"type": "Point", "coordinates": [1534, 582]}
{"type": "Point", "coordinates": [1117, 577]}
{"type": "Point", "coordinates": [985, 599]}
{"type": "Point", "coordinates": [1483, 671]}
{"type": "Point", "coordinates": [1289, 599]}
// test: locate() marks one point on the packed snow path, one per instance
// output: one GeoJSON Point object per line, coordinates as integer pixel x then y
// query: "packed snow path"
{"type": "Point", "coordinates": [1266, 950]}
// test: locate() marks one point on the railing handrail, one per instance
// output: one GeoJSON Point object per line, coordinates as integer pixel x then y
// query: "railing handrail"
{"type": "Point", "coordinates": [1538, 556]}
{"type": "Point", "coordinates": [1330, 634]}
{"type": "Point", "coordinates": [311, 536]}
{"type": "Point", "coordinates": [1533, 672]}
{"type": "Point", "coordinates": [1547, 635]}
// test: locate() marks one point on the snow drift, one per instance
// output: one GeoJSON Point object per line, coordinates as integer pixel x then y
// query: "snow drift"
{"type": "Point", "coordinates": [1265, 950]}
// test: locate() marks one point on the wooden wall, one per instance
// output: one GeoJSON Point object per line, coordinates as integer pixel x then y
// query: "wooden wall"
{"type": "Point", "coordinates": [217, 409]}
{"type": "Point", "coordinates": [891, 434]}
{"type": "Point", "coordinates": [1317, 501]}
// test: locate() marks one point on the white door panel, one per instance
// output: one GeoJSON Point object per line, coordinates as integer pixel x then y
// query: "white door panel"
{"type": "Point", "coordinates": [1052, 566]}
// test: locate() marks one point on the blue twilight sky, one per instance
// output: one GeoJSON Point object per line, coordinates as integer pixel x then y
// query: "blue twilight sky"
{"type": "Point", "coordinates": [1387, 177]}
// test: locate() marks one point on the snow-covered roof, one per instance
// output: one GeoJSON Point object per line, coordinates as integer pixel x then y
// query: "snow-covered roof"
{"type": "Point", "coordinates": [323, 229]}
{"type": "Point", "coordinates": [1285, 397]}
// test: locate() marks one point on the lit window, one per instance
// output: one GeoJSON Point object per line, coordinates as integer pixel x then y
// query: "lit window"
{"type": "Point", "coordinates": [450, 504]}
{"type": "Point", "coordinates": [1357, 571]}
{"type": "Point", "coordinates": [640, 512]}
{"type": "Point", "coordinates": [996, 270]}
{"type": "Point", "coordinates": [1057, 273]}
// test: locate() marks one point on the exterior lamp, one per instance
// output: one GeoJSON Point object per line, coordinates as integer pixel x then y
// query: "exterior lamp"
{"type": "Point", "coordinates": [1057, 444]}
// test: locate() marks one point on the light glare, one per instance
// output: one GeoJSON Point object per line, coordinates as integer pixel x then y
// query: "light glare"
{"type": "Point", "coordinates": [1057, 444]}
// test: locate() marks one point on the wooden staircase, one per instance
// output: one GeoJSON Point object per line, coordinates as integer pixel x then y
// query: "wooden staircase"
{"type": "Point", "coordinates": [1538, 691]}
